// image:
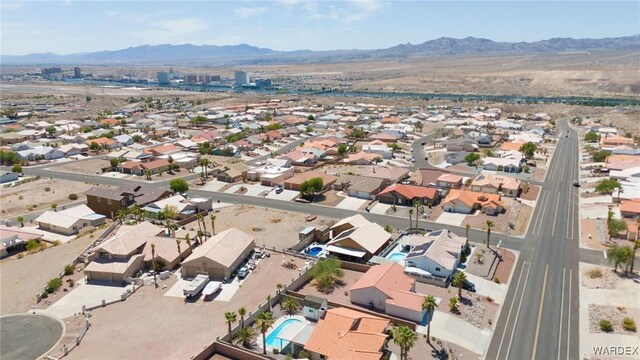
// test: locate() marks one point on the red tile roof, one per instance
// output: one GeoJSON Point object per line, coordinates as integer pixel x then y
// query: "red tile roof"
{"type": "Point", "coordinates": [411, 191]}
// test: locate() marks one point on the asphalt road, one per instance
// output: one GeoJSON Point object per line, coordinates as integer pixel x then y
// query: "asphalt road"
{"type": "Point", "coordinates": [285, 149]}
{"type": "Point", "coordinates": [539, 318]}
{"type": "Point", "coordinates": [28, 336]}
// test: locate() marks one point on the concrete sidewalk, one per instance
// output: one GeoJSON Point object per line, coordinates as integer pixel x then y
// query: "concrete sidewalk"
{"type": "Point", "coordinates": [449, 328]}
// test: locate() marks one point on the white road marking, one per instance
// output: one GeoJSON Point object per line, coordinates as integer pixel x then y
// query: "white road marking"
{"type": "Point", "coordinates": [515, 323]}
{"type": "Point", "coordinates": [561, 311]}
{"type": "Point", "coordinates": [568, 316]}
{"type": "Point", "coordinates": [555, 217]}
{"type": "Point", "coordinates": [511, 308]}
{"type": "Point", "coordinates": [544, 288]}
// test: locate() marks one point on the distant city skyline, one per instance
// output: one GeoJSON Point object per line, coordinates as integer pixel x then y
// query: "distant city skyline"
{"type": "Point", "coordinates": [65, 27]}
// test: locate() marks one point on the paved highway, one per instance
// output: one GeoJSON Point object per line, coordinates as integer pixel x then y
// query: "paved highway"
{"type": "Point", "coordinates": [539, 319]}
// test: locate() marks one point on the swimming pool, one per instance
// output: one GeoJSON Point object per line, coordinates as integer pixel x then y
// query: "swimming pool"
{"type": "Point", "coordinates": [272, 338]}
{"type": "Point", "coordinates": [397, 256]}
{"type": "Point", "coordinates": [315, 251]}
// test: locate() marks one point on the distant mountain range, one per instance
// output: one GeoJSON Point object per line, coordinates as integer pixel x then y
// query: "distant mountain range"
{"type": "Point", "coordinates": [188, 54]}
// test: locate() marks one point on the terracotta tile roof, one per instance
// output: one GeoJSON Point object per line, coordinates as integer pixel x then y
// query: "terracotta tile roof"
{"type": "Point", "coordinates": [496, 181]}
{"type": "Point", "coordinates": [163, 149]}
{"type": "Point", "coordinates": [345, 334]}
{"type": "Point", "coordinates": [363, 155]}
{"type": "Point", "coordinates": [630, 206]}
{"type": "Point", "coordinates": [101, 141]}
{"type": "Point", "coordinates": [392, 281]}
{"type": "Point", "coordinates": [470, 198]}
{"type": "Point", "coordinates": [411, 191]}
{"type": "Point", "coordinates": [450, 178]}
{"type": "Point", "coordinates": [507, 146]}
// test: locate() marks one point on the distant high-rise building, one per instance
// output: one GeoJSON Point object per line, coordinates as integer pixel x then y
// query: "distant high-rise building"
{"type": "Point", "coordinates": [77, 73]}
{"type": "Point", "coordinates": [51, 70]}
{"type": "Point", "coordinates": [263, 83]}
{"type": "Point", "coordinates": [215, 78]}
{"type": "Point", "coordinates": [163, 77]}
{"type": "Point", "coordinates": [242, 78]}
{"type": "Point", "coordinates": [191, 79]}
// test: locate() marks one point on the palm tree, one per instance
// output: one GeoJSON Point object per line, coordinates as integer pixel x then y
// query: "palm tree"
{"type": "Point", "coordinates": [213, 224]}
{"type": "Point", "coordinates": [230, 316]}
{"type": "Point", "coordinates": [54, 206]}
{"type": "Point", "coordinates": [178, 241]}
{"type": "Point", "coordinates": [429, 304]}
{"type": "Point", "coordinates": [269, 301]}
{"type": "Point", "coordinates": [187, 239]}
{"type": "Point", "coordinates": [419, 208]}
{"type": "Point", "coordinates": [410, 216]}
{"type": "Point", "coordinates": [404, 337]}
{"type": "Point", "coordinates": [153, 263]}
{"type": "Point", "coordinates": [204, 163]}
{"type": "Point", "coordinates": [204, 225]}
{"type": "Point", "coordinates": [279, 287]}
{"type": "Point", "coordinates": [200, 235]}
{"type": "Point", "coordinates": [467, 227]}
{"type": "Point", "coordinates": [242, 312]}
{"type": "Point", "coordinates": [20, 219]}
{"type": "Point", "coordinates": [264, 322]}
{"type": "Point", "coordinates": [199, 218]}
{"type": "Point", "coordinates": [490, 226]}
{"type": "Point", "coordinates": [459, 280]}
{"type": "Point", "coordinates": [147, 173]}
{"type": "Point", "coordinates": [620, 191]}
{"type": "Point", "coordinates": [121, 214]}
{"type": "Point", "coordinates": [244, 336]}
{"type": "Point", "coordinates": [290, 306]}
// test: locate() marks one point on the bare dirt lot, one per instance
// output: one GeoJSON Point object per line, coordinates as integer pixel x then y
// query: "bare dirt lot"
{"type": "Point", "coordinates": [90, 167]}
{"type": "Point", "coordinates": [21, 279]}
{"type": "Point", "coordinates": [17, 200]}
{"type": "Point", "coordinates": [272, 228]}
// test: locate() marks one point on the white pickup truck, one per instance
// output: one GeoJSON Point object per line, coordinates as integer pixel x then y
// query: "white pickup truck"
{"type": "Point", "coordinates": [196, 285]}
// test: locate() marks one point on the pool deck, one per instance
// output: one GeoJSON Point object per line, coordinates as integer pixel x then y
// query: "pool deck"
{"type": "Point", "coordinates": [289, 330]}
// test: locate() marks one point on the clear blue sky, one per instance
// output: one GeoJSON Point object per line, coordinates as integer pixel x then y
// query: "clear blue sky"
{"type": "Point", "coordinates": [66, 27]}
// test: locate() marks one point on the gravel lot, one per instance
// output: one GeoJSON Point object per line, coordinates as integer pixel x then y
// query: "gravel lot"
{"type": "Point", "coordinates": [16, 200]}
{"type": "Point", "coordinates": [613, 314]}
{"type": "Point", "coordinates": [270, 227]}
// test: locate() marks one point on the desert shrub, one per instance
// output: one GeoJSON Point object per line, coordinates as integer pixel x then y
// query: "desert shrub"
{"type": "Point", "coordinates": [629, 324]}
{"type": "Point", "coordinates": [73, 196]}
{"type": "Point", "coordinates": [496, 280]}
{"type": "Point", "coordinates": [20, 197]}
{"type": "Point", "coordinates": [453, 304]}
{"type": "Point", "coordinates": [53, 285]}
{"type": "Point", "coordinates": [20, 256]}
{"type": "Point", "coordinates": [303, 354]}
{"type": "Point", "coordinates": [276, 351]}
{"type": "Point", "coordinates": [594, 273]}
{"type": "Point", "coordinates": [47, 189]}
{"type": "Point", "coordinates": [69, 269]}
{"type": "Point", "coordinates": [489, 299]}
{"type": "Point", "coordinates": [606, 325]}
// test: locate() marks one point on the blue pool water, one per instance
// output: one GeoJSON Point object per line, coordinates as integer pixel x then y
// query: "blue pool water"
{"type": "Point", "coordinates": [397, 256]}
{"type": "Point", "coordinates": [272, 338]}
{"type": "Point", "coordinates": [315, 251]}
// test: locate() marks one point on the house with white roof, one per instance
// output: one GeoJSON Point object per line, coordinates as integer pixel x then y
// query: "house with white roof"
{"type": "Point", "coordinates": [69, 221]}
{"type": "Point", "coordinates": [438, 255]}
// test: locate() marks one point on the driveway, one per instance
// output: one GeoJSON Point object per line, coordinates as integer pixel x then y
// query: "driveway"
{"type": "Point", "coordinates": [84, 294]}
{"type": "Point", "coordinates": [351, 203]}
{"type": "Point", "coordinates": [380, 208]}
{"type": "Point", "coordinates": [285, 195]}
{"type": "Point", "coordinates": [214, 185]}
{"type": "Point", "coordinates": [485, 287]}
{"type": "Point", "coordinates": [451, 218]}
{"type": "Point", "coordinates": [252, 190]}
{"type": "Point", "coordinates": [452, 329]}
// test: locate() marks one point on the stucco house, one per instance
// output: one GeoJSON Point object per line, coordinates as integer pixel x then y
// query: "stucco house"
{"type": "Point", "coordinates": [388, 289]}
{"type": "Point", "coordinates": [438, 255]}
{"type": "Point", "coordinates": [466, 202]}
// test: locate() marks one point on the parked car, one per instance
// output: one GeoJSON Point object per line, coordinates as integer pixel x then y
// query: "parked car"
{"type": "Point", "coordinates": [576, 183]}
{"type": "Point", "coordinates": [413, 159]}
{"type": "Point", "coordinates": [279, 190]}
{"type": "Point", "coordinates": [469, 286]}
{"type": "Point", "coordinates": [243, 272]}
